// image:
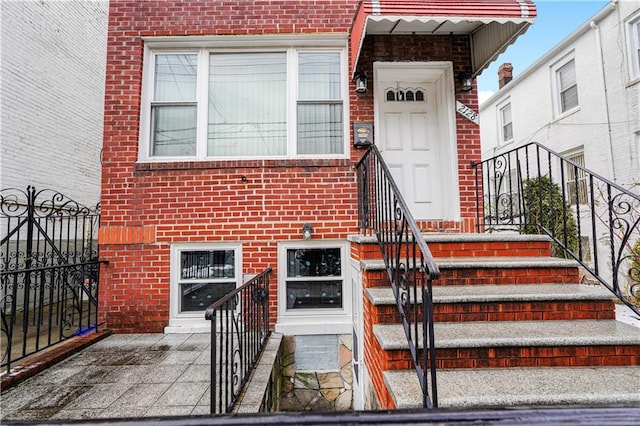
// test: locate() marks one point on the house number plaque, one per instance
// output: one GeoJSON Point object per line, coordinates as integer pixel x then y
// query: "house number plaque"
{"type": "Point", "coordinates": [467, 112]}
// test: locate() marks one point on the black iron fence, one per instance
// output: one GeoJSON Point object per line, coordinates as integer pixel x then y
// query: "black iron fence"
{"type": "Point", "coordinates": [49, 271]}
{"type": "Point", "coordinates": [408, 260]}
{"type": "Point", "coordinates": [239, 333]}
{"type": "Point", "coordinates": [532, 189]}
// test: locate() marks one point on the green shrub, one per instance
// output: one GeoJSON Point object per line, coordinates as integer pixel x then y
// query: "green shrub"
{"type": "Point", "coordinates": [549, 214]}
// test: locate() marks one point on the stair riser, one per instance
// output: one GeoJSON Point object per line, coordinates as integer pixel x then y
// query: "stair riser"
{"type": "Point", "coordinates": [563, 356]}
{"type": "Point", "coordinates": [468, 249]}
{"type": "Point", "coordinates": [509, 311]}
{"type": "Point", "coordinates": [482, 249]}
{"type": "Point", "coordinates": [485, 276]}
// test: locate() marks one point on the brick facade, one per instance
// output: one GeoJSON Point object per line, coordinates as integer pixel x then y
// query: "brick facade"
{"type": "Point", "coordinates": [148, 206]}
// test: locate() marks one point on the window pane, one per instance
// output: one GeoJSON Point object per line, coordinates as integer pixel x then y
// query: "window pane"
{"type": "Point", "coordinates": [320, 128]}
{"type": "Point", "coordinates": [207, 264]}
{"type": "Point", "coordinates": [567, 75]}
{"type": "Point", "coordinates": [173, 130]}
{"type": "Point", "coordinates": [319, 75]}
{"type": "Point", "coordinates": [507, 132]}
{"type": "Point", "coordinates": [314, 262]}
{"type": "Point", "coordinates": [576, 180]}
{"type": "Point", "coordinates": [568, 86]}
{"type": "Point", "coordinates": [569, 98]}
{"type": "Point", "coordinates": [198, 296]}
{"type": "Point", "coordinates": [507, 127]}
{"type": "Point", "coordinates": [247, 104]}
{"type": "Point", "coordinates": [175, 78]}
{"type": "Point", "coordinates": [314, 294]}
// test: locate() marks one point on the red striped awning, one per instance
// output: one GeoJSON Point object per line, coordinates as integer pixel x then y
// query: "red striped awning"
{"type": "Point", "coordinates": [492, 24]}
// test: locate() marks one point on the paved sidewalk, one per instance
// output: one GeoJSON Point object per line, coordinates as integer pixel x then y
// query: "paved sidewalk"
{"type": "Point", "coordinates": [127, 375]}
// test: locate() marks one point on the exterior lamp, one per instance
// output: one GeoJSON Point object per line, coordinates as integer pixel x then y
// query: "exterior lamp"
{"type": "Point", "coordinates": [361, 82]}
{"type": "Point", "coordinates": [466, 81]}
{"type": "Point", "coordinates": [307, 230]}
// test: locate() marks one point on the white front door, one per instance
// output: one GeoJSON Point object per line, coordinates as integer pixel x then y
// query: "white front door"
{"type": "Point", "coordinates": [413, 133]}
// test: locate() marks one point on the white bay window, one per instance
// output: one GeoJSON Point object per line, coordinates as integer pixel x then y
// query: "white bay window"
{"type": "Point", "coordinates": [218, 104]}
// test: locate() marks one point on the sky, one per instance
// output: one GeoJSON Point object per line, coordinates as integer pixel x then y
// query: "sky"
{"type": "Point", "coordinates": [556, 19]}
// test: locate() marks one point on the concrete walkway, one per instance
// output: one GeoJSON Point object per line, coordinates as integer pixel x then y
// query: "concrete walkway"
{"type": "Point", "coordinates": [127, 375]}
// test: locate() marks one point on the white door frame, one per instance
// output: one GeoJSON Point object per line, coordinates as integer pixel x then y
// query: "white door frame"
{"type": "Point", "coordinates": [359, 366]}
{"type": "Point", "coordinates": [441, 74]}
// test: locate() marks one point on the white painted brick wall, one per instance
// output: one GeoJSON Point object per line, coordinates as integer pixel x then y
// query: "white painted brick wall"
{"type": "Point", "coordinates": [52, 69]}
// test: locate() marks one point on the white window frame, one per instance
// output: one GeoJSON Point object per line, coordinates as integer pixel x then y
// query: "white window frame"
{"type": "Point", "coordinates": [320, 320]}
{"type": "Point", "coordinates": [195, 321]}
{"type": "Point", "coordinates": [501, 124]}
{"type": "Point", "coordinates": [203, 46]}
{"type": "Point", "coordinates": [555, 86]}
{"type": "Point", "coordinates": [633, 44]}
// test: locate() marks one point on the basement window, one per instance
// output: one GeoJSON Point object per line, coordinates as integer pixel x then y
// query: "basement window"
{"type": "Point", "coordinates": [201, 274]}
{"type": "Point", "coordinates": [311, 287]}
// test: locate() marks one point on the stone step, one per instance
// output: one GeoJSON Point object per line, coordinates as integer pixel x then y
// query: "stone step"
{"type": "Point", "coordinates": [499, 344]}
{"type": "Point", "coordinates": [486, 270]}
{"type": "Point", "coordinates": [503, 303]}
{"type": "Point", "coordinates": [500, 387]}
{"type": "Point", "coordinates": [469, 245]}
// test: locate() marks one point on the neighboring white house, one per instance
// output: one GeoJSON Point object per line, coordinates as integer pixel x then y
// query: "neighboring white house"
{"type": "Point", "coordinates": [581, 99]}
{"type": "Point", "coordinates": [52, 78]}
{"type": "Point", "coordinates": [596, 70]}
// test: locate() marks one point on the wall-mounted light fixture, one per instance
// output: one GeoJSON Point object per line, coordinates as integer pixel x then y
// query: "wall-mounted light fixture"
{"type": "Point", "coordinates": [361, 82]}
{"type": "Point", "coordinates": [466, 81]}
{"type": "Point", "coordinates": [307, 230]}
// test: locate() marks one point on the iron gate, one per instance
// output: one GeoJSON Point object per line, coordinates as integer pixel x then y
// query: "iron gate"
{"type": "Point", "coordinates": [49, 271]}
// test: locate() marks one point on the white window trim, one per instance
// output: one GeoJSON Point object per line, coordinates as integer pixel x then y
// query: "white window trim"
{"type": "Point", "coordinates": [555, 86]}
{"type": "Point", "coordinates": [633, 44]}
{"type": "Point", "coordinates": [205, 45]}
{"type": "Point", "coordinates": [314, 321]}
{"type": "Point", "coordinates": [499, 107]}
{"type": "Point", "coordinates": [193, 322]}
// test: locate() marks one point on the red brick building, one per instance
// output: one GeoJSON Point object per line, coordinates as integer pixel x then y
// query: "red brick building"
{"type": "Point", "coordinates": [229, 126]}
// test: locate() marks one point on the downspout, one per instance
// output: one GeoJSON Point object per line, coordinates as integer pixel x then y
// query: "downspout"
{"type": "Point", "coordinates": [596, 29]}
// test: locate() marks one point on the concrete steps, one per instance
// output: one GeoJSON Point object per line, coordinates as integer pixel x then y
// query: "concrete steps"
{"type": "Point", "coordinates": [507, 302]}
{"type": "Point", "coordinates": [499, 387]}
{"type": "Point", "coordinates": [520, 344]}
{"type": "Point", "coordinates": [512, 326]}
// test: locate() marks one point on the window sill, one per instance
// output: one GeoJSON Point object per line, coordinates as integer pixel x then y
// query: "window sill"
{"type": "Point", "coordinates": [319, 326]}
{"type": "Point", "coordinates": [150, 166]}
{"type": "Point", "coordinates": [566, 114]}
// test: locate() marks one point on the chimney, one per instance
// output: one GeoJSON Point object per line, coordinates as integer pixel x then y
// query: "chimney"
{"type": "Point", "coordinates": [505, 74]}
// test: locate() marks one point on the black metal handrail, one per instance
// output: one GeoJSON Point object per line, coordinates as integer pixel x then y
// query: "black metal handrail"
{"type": "Point", "coordinates": [532, 189]}
{"type": "Point", "coordinates": [239, 333]}
{"type": "Point", "coordinates": [408, 261]}
{"type": "Point", "coordinates": [49, 271]}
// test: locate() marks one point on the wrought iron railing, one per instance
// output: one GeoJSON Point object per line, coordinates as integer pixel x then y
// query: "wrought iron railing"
{"type": "Point", "coordinates": [239, 333]}
{"type": "Point", "coordinates": [408, 261]}
{"type": "Point", "coordinates": [49, 271]}
{"type": "Point", "coordinates": [532, 189]}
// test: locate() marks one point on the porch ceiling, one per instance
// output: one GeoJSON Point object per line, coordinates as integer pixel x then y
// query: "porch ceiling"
{"type": "Point", "coordinates": [492, 24]}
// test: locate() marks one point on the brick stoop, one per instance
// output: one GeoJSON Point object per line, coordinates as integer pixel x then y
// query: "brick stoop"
{"type": "Point", "coordinates": [503, 310]}
{"type": "Point", "coordinates": [34, 364]}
